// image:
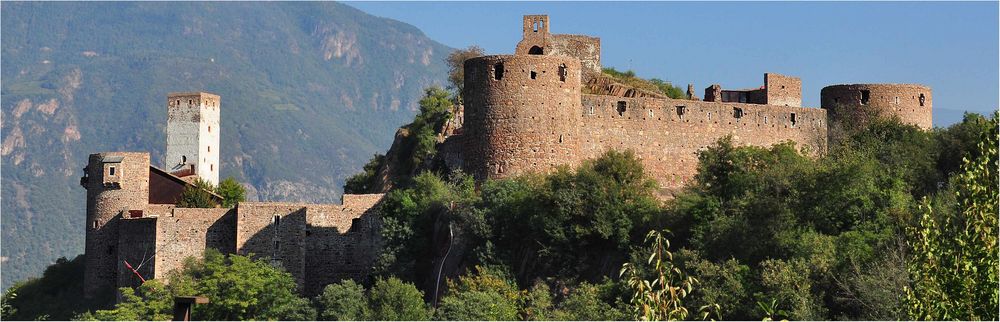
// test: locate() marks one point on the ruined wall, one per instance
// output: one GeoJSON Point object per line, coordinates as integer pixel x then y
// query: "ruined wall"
{"type": "Point", "coordinates": [910, 102]}
{"type": "Point", "coordinates": [536, 40]}
{"type": "Point", "coordinates": [193, 134]}
{"type": "Point", "coordinates": [274, 230]}
{"type": "Point", "coordinates": [116, 182]}
{"type": "Point", "coordinates": [342, 241]}
{"type": "Point", "coordinates": [188, 232]}
{"type": "Point", "coordinates": [666, 133]}
{"type": "Point", "coordinates": [783, 90]}
{"type": "Point", "coordinates": [521, 113]}
{"type": "Point", "coordinates": [317, 244]}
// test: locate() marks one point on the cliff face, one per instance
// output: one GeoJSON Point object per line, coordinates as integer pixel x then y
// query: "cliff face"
{"type": "Point", "coordinates": [308, 92]}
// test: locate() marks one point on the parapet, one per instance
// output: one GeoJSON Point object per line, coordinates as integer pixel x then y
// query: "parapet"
{"type": "Point", "coordinates": [538, 41]}
{"type": "Point", "coordinates": [778, 90]}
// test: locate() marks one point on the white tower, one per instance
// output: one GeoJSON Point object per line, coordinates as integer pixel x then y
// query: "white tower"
{"type": "Point", "coordinates": [193, 135]}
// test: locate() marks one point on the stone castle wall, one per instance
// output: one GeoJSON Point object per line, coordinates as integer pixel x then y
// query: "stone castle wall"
{"type": "Point", "coordinates": [521, 113]}
{"type": "Point", "coordinates": [109, 196]}
{"type": "Point", "coordinates": [782, 90]}
{"type": "Point", "coordinates": [667, 133]}
{"type": "Point", "coordinates": [910, 103]}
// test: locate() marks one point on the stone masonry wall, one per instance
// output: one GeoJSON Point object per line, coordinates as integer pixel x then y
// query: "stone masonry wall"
{"type": "Point", "coordinates": [188, 232]}
{"type": "Point", "coordinates": [783, 90]}
{"type": "Point", "coordinates": [193, 134]}
{"type": "Point", "coordinates": [342, 241]}
{"type": "Point", "coordinates": [667, 133]}
{"type": "Point", "coordinates": [274, 230]}
{"type": "Point", "coordinates": [911, 103]}
{"type": "Point", "coordinates": [521, 113]}
{"type": "Point", "coordinates": [108, 196]}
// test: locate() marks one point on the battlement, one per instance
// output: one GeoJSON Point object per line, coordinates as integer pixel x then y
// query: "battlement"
{"type": "Point", "coordinates": [193, 120]}
{"type": "Point", "coordinates": [538, 41]}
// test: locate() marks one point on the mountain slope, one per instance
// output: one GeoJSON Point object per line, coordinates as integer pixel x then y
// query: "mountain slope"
{"type": "Point", "coordinates": [309, 92]}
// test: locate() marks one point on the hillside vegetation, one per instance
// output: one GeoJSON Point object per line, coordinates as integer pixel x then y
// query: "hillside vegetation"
{"type": "Point", "coordinates": [892, 223]}
{"type": "Point", "coordinates": [309, 90]}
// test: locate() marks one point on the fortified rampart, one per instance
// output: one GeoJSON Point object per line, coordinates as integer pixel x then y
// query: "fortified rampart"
{"type": "Point", "coordinates": [909, 102]}
{"type": "Point", "coordinates": [521, 117]}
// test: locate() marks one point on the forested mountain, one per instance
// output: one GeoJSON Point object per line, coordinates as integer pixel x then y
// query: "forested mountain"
{"type": "Point", "coordinates": [309, 92]}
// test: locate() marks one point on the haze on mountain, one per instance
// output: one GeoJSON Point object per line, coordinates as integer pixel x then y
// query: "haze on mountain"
{"type": "Point", "coordinates": [309, 92]}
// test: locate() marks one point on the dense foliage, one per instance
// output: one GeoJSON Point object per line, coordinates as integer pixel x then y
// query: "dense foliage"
{"type": "Point", "coordinates": [55, 295]}
{"type": "Point", "coordinates": [198, 195]}
{"type": "Point", "coordinates": [367, 180]}
{"type": "Point", "coordinates": [955, 264]}
{"type": "Point", "coordinates": [231, 191]}
{"type": "Point", "coordinates": [238, 288]}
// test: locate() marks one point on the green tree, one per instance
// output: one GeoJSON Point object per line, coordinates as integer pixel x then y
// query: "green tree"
{"type": "Point", "coordinates": [240, 288]}
{"type": "Point", "coordinates": [342, 301]}
{"type": "Point", "coordinates": [199, 195]}
{"type": "Point", "coordinates": [484, 295]}
{"type": "Point", "coordinates": [366, 181]}
{"type": "Point", "coordinates": [232, 192]}
{"type": "Point", "coordinates": [662, 296]}
{"type": "Point", "coordinates": [55, 295]}
{"type": "Point", "coordinates": [393, 300]}
{"type": "Point", "coordinates": [955, 261]}
{"type": "Point", "coordinates": [584, 303]}
{"type": "Point", "coordinates": [151, 302]}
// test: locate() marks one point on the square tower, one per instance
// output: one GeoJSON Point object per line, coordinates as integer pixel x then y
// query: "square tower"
{"type": "Point", "coordinates": [193, 135]}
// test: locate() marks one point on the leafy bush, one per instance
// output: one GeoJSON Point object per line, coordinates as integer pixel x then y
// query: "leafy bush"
{"type": "Point", "coordinates": [344, 301]}
{"type": "Point", "coordinates": [232, 192]}
{"type": "Point", "coordinates": [367, 180]}
{"type": "Point", "coordinates": [654, 85]}
{"type": "Point", "coordinates": [393, 300]}
{"type": "Point", "coordinates": [197, 196]}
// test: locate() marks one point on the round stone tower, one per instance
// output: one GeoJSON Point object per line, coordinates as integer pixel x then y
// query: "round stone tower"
{"type": "Point", "coordinates": [910, 102]}
{"type": "Point", "coordinates": [522, 113]}
{"type": "Point", "coordinates": [117, 185]}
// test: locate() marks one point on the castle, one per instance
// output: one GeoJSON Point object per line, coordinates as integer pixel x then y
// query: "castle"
{"type": "Point", "coordinates": [546, 105]}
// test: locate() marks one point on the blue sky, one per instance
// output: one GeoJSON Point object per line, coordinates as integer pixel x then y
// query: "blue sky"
{"type": "Point", "coordinates": [952, 47]}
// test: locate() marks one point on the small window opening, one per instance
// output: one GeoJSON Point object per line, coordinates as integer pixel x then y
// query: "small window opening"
{"type": "Point", "coordinates": [621, 108]}
{"type": "Point", "coordinates": [95, 224]}
{"type": "Point", "coordinates": [211, 167]}
{"type": "Point", "coordinates": [737, 112]}
{"type": "Point", "coordinates": [111, 171]}
{"type": "Point", "coordinates": [209, 148]}
{"type": "Point", "coordinates": [534, 75]}
{"type": "Point", "coordinates": [177, 102]}
{"type": "Point", "coordinates": [277, 246]}
{"type": "Point", "coordinates": [562, 73]}
{"type": "Point", "coordinates": [535, 50]}
{"type": "Point", "coordinates": [498, 71]}
{"type": "Point", "coordinates": [534, 26]}
{"type": "Point", "coordinates": [922, 99]}
{"type": "Point", "coordinates": [209, 129]}
{"type": "Point", "coordinates": [865, 97]}
{"type": "Point", "coordinates": [560, 138]}
{"type": "Point", "coordinates": [792, 118]}
{"type": "Point", "coordinates": [277, 220]}
{"type": "Point", "coordinates": [184, 159]}
{"type": "Point", "coordinates": [680, 110]}
{"type": "Point", "coordinates": [591, 112]}
{"type": "Point", "coordinates": [836, 100]}
{"type": "Point", "coordinates": [190, 102]}
{"type": "Point", "coordinates": [651, 114]}
{"type": "Point", "coordinates": [897, 100]}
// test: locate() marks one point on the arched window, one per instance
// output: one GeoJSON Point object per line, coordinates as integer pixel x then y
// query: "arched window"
{"type": "Point", "coordinates": [535, 50]}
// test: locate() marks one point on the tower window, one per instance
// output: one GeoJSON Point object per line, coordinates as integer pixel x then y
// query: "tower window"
{"type": "Point", "coordinates": [680, 110]}
{"type": "Point", "coordinates": [209, 129]}
{"type": "Point", "coordinates": [792, 119]}
{"type": "Point", "coordinates": [591, 111]}
{"type": "Point", "coordinates": [562, 73]}
{"type": "Point", "coordinates": [498, 71]}
{"type": "Point", "coordinates": [737, 112]}
{"type": "Point", "coordinates": [922, 99]}
{"type": "Point", "coordinates": [534, 75]}
{"type": "Point", "coordinates": [95, 224]}
{"type": "Point", "coordinates": [209, 148]}
{"type": "Point", "coordinates": [184, 159]}
{"type": "Point", "coordinates": [865, 96]}
{"type": "Point", "coordinates": [111, 171]}
{"type": "Point", "coordinates": [211, 167]}
{"type": "Point", "coordinates": [621, 108]}
{"type": "Point", "coordinates": [177, 102]}
{"type": "Point", "coordinates": [535, 50]}
{"type": "Point", "coordinates": [277, 220]}
{"type": "Point", "coordinates": [190, 102]}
